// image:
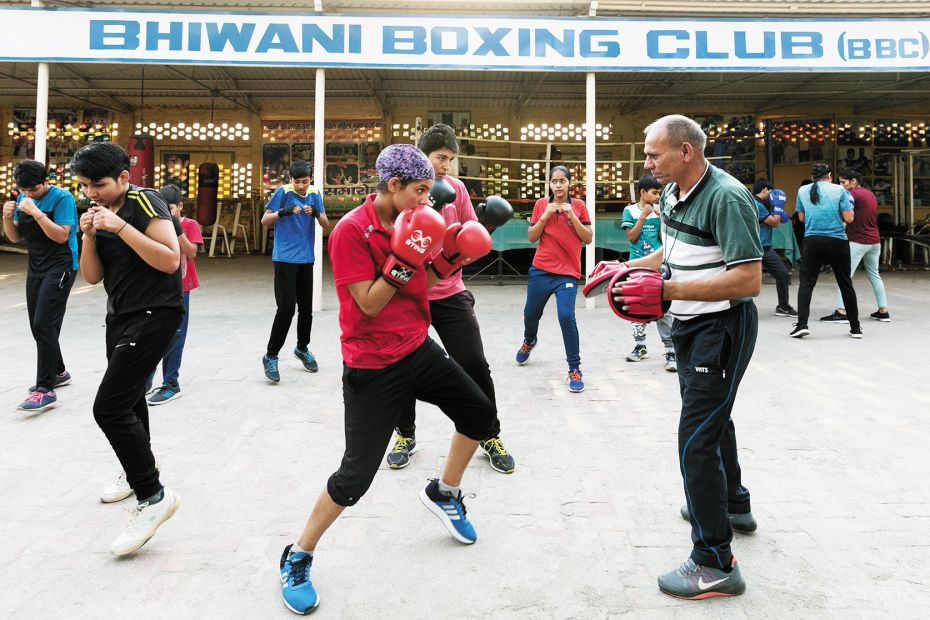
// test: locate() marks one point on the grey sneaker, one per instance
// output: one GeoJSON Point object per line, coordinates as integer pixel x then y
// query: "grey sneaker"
{"type": "Point", "coordinates": [785, 311]}
{"type": "Point", "coordinates": [65, 378]}
{"type": "Point", "coordinates": [671, 363]}
{"type": "Point", "coordinates": [638, 353]}
{"type": "Point", "coordinates": [836, 317]}
{"type": "Point", "coordinates": [164, 394]}
{"type": "Point", "coordinates": [498, 456]}
{"type": "Point", "coordinates": [693, 582]}
{"type": "Point", "coordinates": [399, 456]}
{"type": "Point", "coordinates": [742, 523]}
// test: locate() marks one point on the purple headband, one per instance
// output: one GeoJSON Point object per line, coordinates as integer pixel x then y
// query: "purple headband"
{"type": "Point", "coordinates": [405, 162]}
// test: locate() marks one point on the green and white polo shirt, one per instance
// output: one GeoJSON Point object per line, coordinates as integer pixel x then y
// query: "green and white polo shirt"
{"type": "Point", "coordinates": [712, 229]}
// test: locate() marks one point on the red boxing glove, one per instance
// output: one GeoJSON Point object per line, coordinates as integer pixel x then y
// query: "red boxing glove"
{"type": "Point", "coordinates": [462, 244]}
{"type": "Point", "coordinates": [417, 234]}
{"type": "Point", "coordinates": [641, 290]}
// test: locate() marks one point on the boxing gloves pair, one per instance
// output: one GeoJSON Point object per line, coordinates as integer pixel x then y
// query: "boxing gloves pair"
{"type": "Point", "coordinates": [641, 290]}
{"type": "Point", "coordinates": [494, 212]}
{"type": "Point", "coordinates": [778, 198]}
{"type": "Point", "coordinates": [421, 235]}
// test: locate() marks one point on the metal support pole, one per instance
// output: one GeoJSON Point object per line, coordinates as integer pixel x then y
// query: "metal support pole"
{"type": "Point", "coordinates": [591, 174]}
{"type": "Point", "coordinates": [319, 177]}
{"type": "Point", "coordinates": [41, 146]}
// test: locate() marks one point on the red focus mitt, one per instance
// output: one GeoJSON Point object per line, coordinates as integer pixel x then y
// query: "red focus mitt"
{"type": "Point", "coordinates": [641, 293]}
{"type": "Point", "coordinates": [601, 276]}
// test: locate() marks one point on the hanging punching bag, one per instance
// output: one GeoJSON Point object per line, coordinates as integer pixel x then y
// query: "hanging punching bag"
{"type": "Point", "coordinates": [208, 181]}
{"type": "Point", "coordinates": [141, 161]}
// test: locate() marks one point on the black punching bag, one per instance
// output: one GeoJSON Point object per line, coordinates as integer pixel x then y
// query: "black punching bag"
{"type": "Point", "coordinates": [208, 182]}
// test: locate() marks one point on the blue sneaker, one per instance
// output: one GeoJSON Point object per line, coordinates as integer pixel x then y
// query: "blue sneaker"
{"type": "Point", "coordinates": [165, 394]}
{"type": "Point", "coordinates": [575, 380]}
{"type": "Point", "coordinates": [271, 368]}
{"type": "Point", "coordinates": [307, 358]}
{"type": "Point", "coordinates": [450, 510]}
{"type": "Point", "coordinates": [523, 355]}
{"type": "Point", "coordinates": [296, 588]}
{"type": "Point", "coordinates": [38, 401]}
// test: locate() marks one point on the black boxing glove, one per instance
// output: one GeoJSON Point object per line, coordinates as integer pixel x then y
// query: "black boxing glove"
{"type": "Point", "coordinates": [495, 212]}
{"type": "Point", "coordinates": [285, 211]}
{"type": "Point", "coordinates": [441, 194]}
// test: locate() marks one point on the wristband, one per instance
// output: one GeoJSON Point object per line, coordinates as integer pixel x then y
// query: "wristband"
{"type": "Point", "coordinates": [285, 211]}
{"type": "Point", "coordinates": [121, 228]}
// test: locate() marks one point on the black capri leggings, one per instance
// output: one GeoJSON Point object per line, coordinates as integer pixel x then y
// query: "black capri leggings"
{"type": "Point", "coordinates": [375, 398]}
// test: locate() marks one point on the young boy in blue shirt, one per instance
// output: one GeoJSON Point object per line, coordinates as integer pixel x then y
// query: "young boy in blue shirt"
{"type": "Point", "coordinates": [642, 224]}
{"type": "Point", "coordinates": [293, 209]}
{"type": "Point", "coordinates": [45, 218]}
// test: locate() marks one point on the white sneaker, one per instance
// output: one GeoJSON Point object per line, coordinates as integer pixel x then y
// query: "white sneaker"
{"type": "Point", "coordinates": [145, 520]}
{"type": "Point", "coordinates": [120, 489]}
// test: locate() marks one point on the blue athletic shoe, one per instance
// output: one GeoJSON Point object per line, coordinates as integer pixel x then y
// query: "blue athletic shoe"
{"type": "Point", "coordinates": [271, 368]}
{"type": "Point", "coordinates": [296, 588]}
{"type": "Point", "coordinates": [37, 401]}
{"type": "Point", "coordinates": [523, 355]}
{"type": "Point", "coordinates": [306, 357]}
{"type": "Point", "coordinates": [575, 380]}
{"type": "Point", "coordinates": [450, 510]}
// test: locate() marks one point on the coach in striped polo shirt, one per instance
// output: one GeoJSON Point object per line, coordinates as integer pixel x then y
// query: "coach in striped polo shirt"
{"type": "Point", "coordinates": [711, 257]}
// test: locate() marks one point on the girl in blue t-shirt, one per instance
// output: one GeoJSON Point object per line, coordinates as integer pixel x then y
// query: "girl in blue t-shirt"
{"type": "Point", "coordinates": [825, 209]}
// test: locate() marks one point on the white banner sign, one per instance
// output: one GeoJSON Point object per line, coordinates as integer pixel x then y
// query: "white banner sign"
{"type": "Point", "coordinates": [511, 43]}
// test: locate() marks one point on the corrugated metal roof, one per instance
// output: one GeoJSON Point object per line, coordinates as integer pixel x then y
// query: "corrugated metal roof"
{"type": "Point", "coordinates": [262, 89]}
{"type": "Point", "coordinates": [883, 8]}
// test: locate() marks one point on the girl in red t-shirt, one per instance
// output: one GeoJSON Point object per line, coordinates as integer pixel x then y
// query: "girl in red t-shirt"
{"type": "Point", "coordinates": [378, 253]}
{"type": "Point", "coordinates": [561, 225]}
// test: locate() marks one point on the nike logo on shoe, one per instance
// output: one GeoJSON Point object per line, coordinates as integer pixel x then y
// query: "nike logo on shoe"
{"type": "Point", "coordinates": [704, 586]}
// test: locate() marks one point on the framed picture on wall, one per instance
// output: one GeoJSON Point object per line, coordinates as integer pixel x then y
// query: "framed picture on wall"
{"type": "Point", "coordinates": [338, 174]}
{"type": "Point", "coordinates": [302, 150]}
{"type": "Point", "coordinates": [176, 167]}
{"type": "Point", "coordinates": [368, 155]}
{"type": "Point", "coordinates": [342, 151]}
{"type": "Point", "coordinates": [858, 158]}
{"type": "Point", "coordinates": [459, 121]}
{"type": "Point", "coordinates": [276, 159]}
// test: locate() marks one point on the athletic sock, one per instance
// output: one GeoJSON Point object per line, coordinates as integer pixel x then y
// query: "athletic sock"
{"type": "Point", "coordinates": [448, 490]}
{"type": "Point", "coordinates": [295, 548]}
{"type": "Point", "coordinates": [154, 499]}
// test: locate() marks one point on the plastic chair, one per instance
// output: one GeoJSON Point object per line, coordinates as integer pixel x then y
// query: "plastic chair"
{"type": "Point", "coordinates": [215, 228]}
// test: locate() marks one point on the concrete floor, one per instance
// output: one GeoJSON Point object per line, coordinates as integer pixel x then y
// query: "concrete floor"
{"type": "Point", "coordinates": [833, 436]}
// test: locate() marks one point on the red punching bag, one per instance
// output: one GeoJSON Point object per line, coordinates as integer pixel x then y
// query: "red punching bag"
{"type": "Point", "coordinates": [141, 161]}
{"type": "Point", "coordinates": [208, 183]}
